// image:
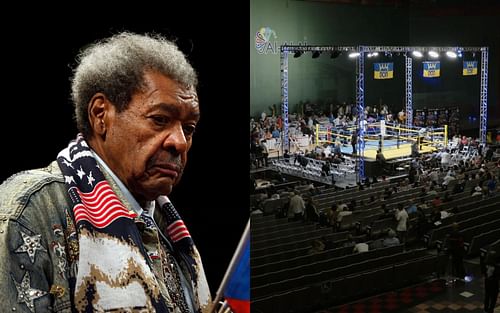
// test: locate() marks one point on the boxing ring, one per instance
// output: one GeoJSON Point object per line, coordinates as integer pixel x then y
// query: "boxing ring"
{"type": "Point", "coordinates": [394, 140]}
{"type": "Point", "coordinates": [407, 51]}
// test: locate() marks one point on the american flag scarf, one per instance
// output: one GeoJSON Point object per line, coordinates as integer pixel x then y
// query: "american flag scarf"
{"type": "Point", "coordinates": [114, 269]}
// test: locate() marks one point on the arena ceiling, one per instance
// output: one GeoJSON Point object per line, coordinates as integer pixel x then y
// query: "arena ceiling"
{"type": "Point", "coordinates": [435, 7]}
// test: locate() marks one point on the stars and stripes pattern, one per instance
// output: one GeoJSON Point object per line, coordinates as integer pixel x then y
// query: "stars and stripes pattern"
{"type": "Point", "coordinates": [176, 229]}
{"type": "Point", "coordinates": [100, 207]}
{"type": "Point", "coordinates": [99, 215]}
{"type": "Point", "coordinates": [93, 199]}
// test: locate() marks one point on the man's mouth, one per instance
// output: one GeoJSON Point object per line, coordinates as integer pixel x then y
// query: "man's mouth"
{"type": "Point", "coordinates": [168, 169]}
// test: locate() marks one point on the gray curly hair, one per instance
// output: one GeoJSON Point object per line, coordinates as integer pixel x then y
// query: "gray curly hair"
{"type": "Point", "coordinates": [115, 66]}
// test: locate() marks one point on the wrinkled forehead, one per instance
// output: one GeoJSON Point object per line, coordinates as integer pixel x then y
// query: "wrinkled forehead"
{"type": "Point", "coordinates": [159, 88]}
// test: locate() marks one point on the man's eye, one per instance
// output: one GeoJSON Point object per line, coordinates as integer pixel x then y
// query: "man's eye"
{"type": "Point", "coordinates": [160, 119]}
{"type": "Point", "coordinates": [189, 129]}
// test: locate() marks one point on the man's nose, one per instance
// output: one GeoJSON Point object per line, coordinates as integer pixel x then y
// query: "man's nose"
{"type": "Point", "coordinates": [175, 139]}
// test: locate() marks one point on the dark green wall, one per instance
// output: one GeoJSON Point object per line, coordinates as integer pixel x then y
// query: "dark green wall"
{"type": "Point", "coordinates": [328, 80]}
{"type": "Point", "coordinates": [319, 24]}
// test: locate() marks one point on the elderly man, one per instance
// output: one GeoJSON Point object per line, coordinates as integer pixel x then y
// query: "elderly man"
{"type": "Point", "coordinates": [95, 231]}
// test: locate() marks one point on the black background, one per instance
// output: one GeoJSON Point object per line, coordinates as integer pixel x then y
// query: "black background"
{"type": "Point", "coordinates": [37, 115]}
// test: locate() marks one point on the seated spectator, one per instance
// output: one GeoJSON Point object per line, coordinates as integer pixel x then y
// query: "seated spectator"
{"type": "Point", "coordinates": [477, 191]}
{"type": "Point", "coordinates": [432, 191]}
{"type": "Point", "coordinates": [310, 188]}
{"type": "Point", "coordinates": [412, 207]}
{"type": "Point", "coordinates": [272, 194]}
{"type": "Point", "coordinates": [342, 212]}
{"type": "Point", "coordinates": [377, 244]}
{"type": "Point", "coordinates": [436, 216]}
{"type": "Point", "coordinates": [329, 244]}
{"type": "Point", "coordinates": [361, 247]}
{"type": "Point", "coordinates": [275, 133]}
{"type": "Point", "coordinates": [342, 207]}
{"type": "Point", "coordinates": [391, 239]}
{"type": "Point", "coordinates": [350, 241]}
{"type": "Point", "coordinates": [336, 159]}
{"type": "Point", "coordinates": [446, 181]}
{"type": "Point", "coordinates": [256, 211]}
{"type": "Point", "coordinates": [436, 202]}
{"type": "Point", "coordinates": [317, 246]}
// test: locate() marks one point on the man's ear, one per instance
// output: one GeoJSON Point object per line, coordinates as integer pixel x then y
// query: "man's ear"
{"type": "Point", "coordinates": [99, 113]}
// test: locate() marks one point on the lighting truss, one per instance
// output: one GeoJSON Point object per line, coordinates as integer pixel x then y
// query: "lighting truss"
{"type": "Point", "coordinates": [405, 50]}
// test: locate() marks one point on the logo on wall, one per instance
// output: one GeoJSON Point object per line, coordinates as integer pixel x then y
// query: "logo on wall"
{"type": "Point", "coordinates": [263, 39]}
{"type": "Point", "coordinates": [470, 68]}
{"type": "Point", "coordinates": [432, 69]}
{"type": "Point", "coordinates": [266, 43]}
{"type": "Point", "coordinates": [383, 70]}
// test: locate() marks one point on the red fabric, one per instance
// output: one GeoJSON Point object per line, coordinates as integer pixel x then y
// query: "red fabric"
{"type": "Point", "coordinates": [239, 306]}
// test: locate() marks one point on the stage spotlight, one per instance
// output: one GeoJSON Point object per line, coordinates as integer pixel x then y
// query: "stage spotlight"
{"type": "Point", "coordinates": [354, 54]}
{"type": "Point", "coordinates": [297, 54]}
{"type": "Point", "coordinates": [316, 54]}
{"type": "Point", "coordinates": [433, 54]}
{"type": "Point", "coordinates": [417, 54]}
{"type": "Point", "coordinates": [451, 54]}
{"type": "Point", "coordinates": [460, 53]}
{"type": "Point", "coordinates": [335, 54]}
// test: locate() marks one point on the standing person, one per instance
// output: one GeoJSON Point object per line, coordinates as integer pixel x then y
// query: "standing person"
{"type": "Point", "coordinates": [401, 218]}
{"type": "Point", "coordinates": [414, 149]}
{"type": "Point", "coordinates": [311, 211]}
{"type": "Point", "coordinates": [297, 207]}
{"type": "Point", "coordinates": [380, 158]}
{"type": "Point", "coordinates": [286, 156]}
{"type": "Point", "coordinates": [456, 250]}
{"type": "Point", "coordinates": [445, 159]}
{"type": "Point", "coordinates": [95, 230]}
{"type": "Point", "coordinates": [354, 141]}
{"type": "Point", "coordinates": [325, 169]}
{"type": "Point", "coordinates": [265, 152]}
{"type": "Point", "coordinates": [491, 272]}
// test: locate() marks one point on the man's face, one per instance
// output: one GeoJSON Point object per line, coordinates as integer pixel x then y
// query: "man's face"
{"type": "Point", "coordinates": [146, 145]}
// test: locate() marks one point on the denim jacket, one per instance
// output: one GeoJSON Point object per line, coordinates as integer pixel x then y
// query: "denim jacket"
{"type": "Point", "coordinates": [33, 265]}
{"type": "Point", "coordinates": [38, 242]}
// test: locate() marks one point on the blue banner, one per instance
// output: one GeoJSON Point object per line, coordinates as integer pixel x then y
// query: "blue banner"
{"type": "Point", "coordinates": [470, 68]}
{"type": "Point", "coordinates": [432, 69]}
{"type": "Point", "coordinates": [383, 70]}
